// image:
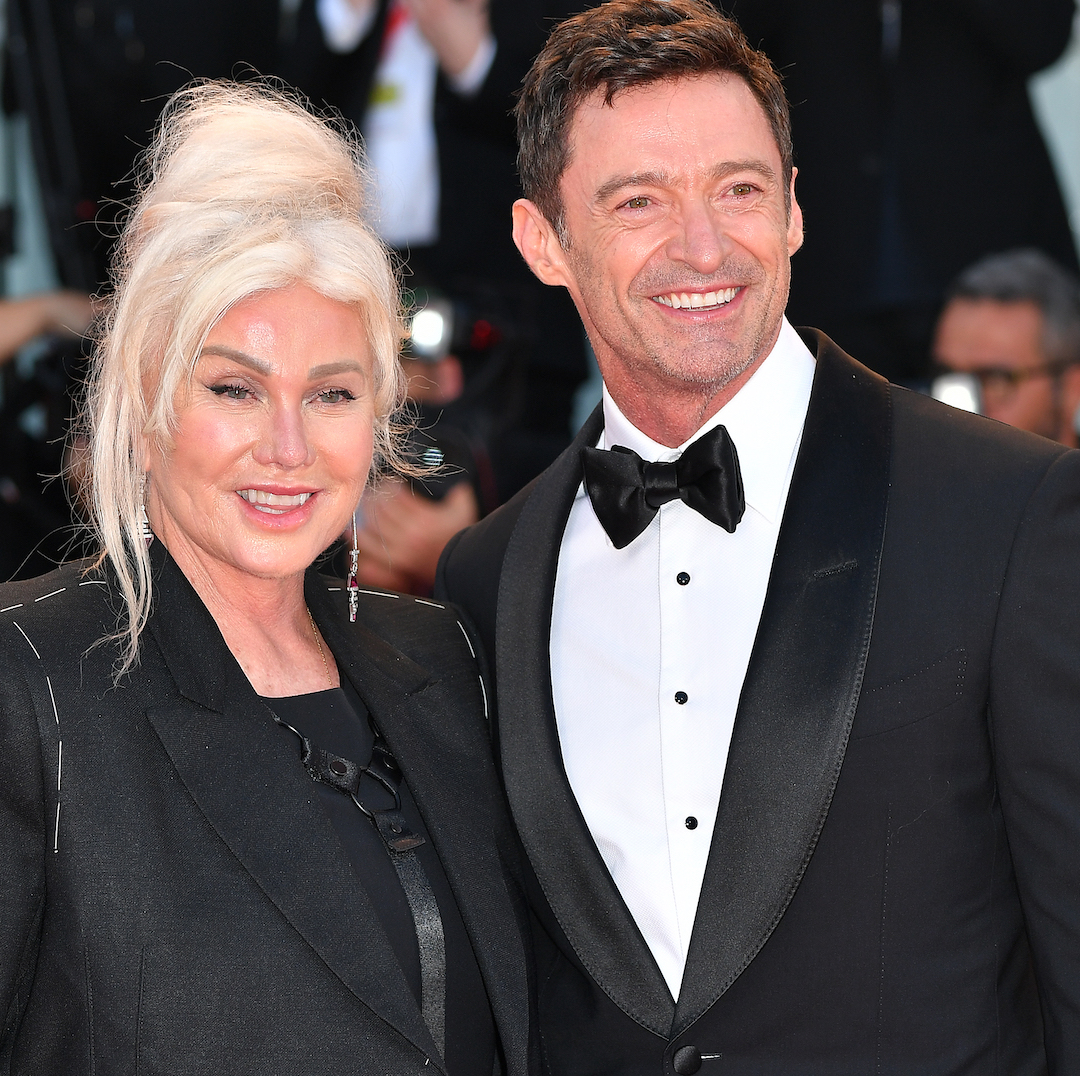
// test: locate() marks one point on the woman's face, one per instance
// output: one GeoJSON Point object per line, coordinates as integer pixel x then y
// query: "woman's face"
{"type": "Point", "coordinates": [273, 440]}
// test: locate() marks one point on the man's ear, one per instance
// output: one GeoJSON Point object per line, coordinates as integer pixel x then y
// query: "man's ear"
{"type": "Point", "coordinates": [795, 221]}
{"type": "Point", "coordinates": [539, 244]}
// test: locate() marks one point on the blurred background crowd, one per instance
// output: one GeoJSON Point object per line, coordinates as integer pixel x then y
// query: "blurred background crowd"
{"type": "Point", "coordinates": [938, 147]}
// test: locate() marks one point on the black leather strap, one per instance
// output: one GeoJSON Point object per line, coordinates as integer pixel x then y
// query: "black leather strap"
{"type": "Point", "coordinates": [401, 842]}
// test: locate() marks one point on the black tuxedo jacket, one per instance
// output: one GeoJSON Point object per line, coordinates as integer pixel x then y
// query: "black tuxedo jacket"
{"type": "Point", "coordinates": [893, 885]}
{"type": "Point", "coordinates": [174, 897]}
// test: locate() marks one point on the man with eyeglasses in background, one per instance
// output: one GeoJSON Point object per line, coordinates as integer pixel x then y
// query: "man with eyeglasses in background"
{"type": "Point", "coordinates": [1007, 344]}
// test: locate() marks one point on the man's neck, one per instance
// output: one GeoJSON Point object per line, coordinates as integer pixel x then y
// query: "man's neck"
{"type": "Point", "coordinates": [671, 413]}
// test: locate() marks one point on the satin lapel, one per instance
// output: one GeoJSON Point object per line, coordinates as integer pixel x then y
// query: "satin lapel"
{"type": "Point", "coordinates": [564, 857]}
{"type": "Point", "coordinates": [247, 780]}
{"type": "Point", "coordinates": [804, 677]}
{"type": "Point", "coordinates": [446, 756]}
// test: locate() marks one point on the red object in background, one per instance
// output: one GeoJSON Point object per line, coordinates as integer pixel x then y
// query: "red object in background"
{"type": "Point", "coordinates": [484, 335]}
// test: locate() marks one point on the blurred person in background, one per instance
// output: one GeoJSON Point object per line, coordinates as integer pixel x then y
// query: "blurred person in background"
{"type": "Point", "coordinates": [1012, 326]}
{"type": "Point", "coordinates": [92, 76]}
{"type": "Point", "coordinates": [918, 154]}
{"type": "Point", "coordinates": [405, 523]}
{"type": "Point", "coordinates": [35, 413]}
{"type": "Point", "coordinates": [431, 83]}
{"type": "Point", "coordinates": [249, 822]}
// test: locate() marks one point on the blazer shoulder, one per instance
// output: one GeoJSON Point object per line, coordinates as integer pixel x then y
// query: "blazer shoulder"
{"type": "Point", "coordinates": [932, 437]}
{"type": "Point", "coordinates": [478, 550]}
{"type": "Point", "coordinates": [62, 614]}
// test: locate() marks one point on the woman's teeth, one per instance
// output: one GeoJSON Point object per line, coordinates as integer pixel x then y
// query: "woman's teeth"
{"type": "Point", "coordinates": [274, 503]}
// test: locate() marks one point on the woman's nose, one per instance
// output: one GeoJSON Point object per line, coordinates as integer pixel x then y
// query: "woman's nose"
{"type": "Point", "coordinates": [284, 439]}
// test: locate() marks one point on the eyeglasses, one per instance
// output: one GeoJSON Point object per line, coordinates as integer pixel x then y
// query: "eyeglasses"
{"type": "Point", "coordinates": [973, 389]}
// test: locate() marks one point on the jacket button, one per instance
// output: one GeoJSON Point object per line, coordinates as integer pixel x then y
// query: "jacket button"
{"type": "Point", "coordinates": [687, 1060]}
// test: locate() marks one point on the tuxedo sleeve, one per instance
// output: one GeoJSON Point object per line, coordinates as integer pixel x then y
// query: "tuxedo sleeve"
{"type": "Point", "coordinates": [1035, 727]}
{"type": "Point", "coordinates": [1023, 44]}
{"type": "Point", "coordinates": [24, 834]}
{"type": "Point", "coordinates": [520, 28]}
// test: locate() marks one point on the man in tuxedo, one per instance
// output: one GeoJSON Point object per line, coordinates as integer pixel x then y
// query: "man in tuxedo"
{"type": "Point", "coordinates": [785, 657]}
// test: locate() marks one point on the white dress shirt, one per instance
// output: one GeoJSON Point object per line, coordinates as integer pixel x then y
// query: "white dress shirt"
{"type": "Point", "coordinates": [399, 126]}
{"type": "Point", "coordinates": [649, 648]}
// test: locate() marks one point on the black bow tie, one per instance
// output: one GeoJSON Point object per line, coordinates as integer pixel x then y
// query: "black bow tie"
{"type": "Point", "coordinates": [626, 492]}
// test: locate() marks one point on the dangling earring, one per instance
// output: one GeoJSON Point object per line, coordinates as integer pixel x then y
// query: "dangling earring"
{"type": "Point", "coordinates": [351, 584]}
{"type": "Point", "coordinates": [144, 520]}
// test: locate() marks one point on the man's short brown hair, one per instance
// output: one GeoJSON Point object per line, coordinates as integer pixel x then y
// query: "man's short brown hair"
{"type": "Point", "coordinates": [619, 45]}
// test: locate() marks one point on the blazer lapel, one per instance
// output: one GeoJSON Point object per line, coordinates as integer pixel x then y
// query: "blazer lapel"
{"type": "Point", "coordinates": [443, 752]}
{"type": "Point", "coordinates": [568, 865]}
{"type": "Point", "coordinates": [248, 782]}
{"type": "Point", "coordinates": [803, 681]}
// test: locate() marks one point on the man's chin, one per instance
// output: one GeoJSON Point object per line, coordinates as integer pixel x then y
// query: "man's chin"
{"type": "Point", "coordinates": [704, 366]}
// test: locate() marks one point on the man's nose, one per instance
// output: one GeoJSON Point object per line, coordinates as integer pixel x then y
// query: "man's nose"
{"type": "Point", "coordinates": [701, 240]}
{"type": "Point", "coordinates": [284, 439]}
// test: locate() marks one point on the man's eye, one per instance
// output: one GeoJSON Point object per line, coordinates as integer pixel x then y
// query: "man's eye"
{"type": "Point", "coordinates": [743, 189]}
{"type": "Point", "coordinates": [231, 392]}
{"type": "Point", "coordinates": [639, 202]}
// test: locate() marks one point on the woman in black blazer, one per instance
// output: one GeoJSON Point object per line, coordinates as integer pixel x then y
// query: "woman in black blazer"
{"type": "Point", "coordinates": [248, 818]}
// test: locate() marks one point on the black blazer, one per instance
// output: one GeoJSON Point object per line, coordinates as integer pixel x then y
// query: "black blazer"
{"type": "Point", "coordinates": [893, 880]}
{"type": "Point", "coordinates": [175, 899]}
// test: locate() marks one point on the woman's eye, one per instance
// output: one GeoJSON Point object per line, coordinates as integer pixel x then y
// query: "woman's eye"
{"type": "Point", "coordinates": [336, 396]}
{"type": "Point", "coordinates": [231, 392]}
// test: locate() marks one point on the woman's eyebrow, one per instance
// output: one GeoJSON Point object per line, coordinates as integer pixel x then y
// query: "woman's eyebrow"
{"type": "Point", "coordinates": [241, 357]}
{"type": "Point", "coordinates": [328, 369]}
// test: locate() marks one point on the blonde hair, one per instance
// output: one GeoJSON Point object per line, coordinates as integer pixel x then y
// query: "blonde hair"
{"type": "Point", "coordinates": [243, 190]}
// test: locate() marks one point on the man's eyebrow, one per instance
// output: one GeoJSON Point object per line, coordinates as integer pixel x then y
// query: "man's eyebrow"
{"type": "Point", "coordinates": [634, 179]}
{"type": "Point", "coordinates": [663, 179]}
{"type": "Point", "coordinates": [241, 357]}
{"type": "Point", "coordinates": [728, 168]}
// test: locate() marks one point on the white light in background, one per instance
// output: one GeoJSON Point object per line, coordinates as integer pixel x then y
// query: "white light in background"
{"type": "Point", "coordinates": [428, 327]}
{"type": "Point", "coordinates": [958, 390]}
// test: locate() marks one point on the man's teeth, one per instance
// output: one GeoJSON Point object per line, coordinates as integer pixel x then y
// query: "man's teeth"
{"type": "Point", "coordinates": [275, 503]}
{"type": "Point", "coordinates": [696, 300]}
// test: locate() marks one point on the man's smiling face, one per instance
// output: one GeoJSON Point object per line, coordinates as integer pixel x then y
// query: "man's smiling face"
{"type": "Point", "coordinates": [677, 235]}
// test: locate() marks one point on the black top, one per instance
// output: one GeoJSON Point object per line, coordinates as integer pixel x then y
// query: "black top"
{"type": "Point", "coordinates": [337, 721]}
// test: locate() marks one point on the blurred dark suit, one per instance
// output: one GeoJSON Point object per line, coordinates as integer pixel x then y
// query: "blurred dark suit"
{"type": "Point", "coordinates": [917, 149]}
{"type": "Point", "coordinates": [100, 72]}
